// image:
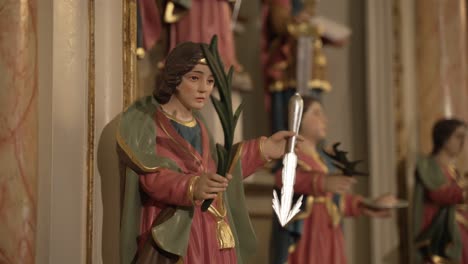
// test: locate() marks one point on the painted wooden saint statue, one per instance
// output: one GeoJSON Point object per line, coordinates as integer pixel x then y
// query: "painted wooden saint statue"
{"type": "Point", "coordinates": [165, 24]}
{"type": "Point", "coordinates": [315, 235]}
{"type": "Point", "coordinates": [171, 165]}
{"type": "Point", "coordinates": [440, 221]}
{"type": "Point", "coordinates": [284, 23]}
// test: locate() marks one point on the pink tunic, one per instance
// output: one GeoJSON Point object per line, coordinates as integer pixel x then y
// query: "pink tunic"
{"type": "Point", "coordinates": [205, 19]}
{"type": "Point", "coordinates": [449, 194]}
{"type": "Point", "coordinates": [321, 242]}
{"type": "Point", "coordinates": [166, 187]}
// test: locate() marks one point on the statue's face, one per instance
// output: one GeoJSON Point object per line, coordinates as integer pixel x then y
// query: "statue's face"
{"type": "Point", "coordinates": [314, 123]}
{"type": "Point", "coordinates": [195, 88]}
{"type": "Point", "coordinates": [454, 145]}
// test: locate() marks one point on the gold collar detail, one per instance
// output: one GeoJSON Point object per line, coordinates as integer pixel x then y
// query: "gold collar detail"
{"type": "Point", "coordinates": [190, 123]}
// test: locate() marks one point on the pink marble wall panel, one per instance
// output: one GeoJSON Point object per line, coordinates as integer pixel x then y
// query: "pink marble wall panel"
{"type": "Point", "coordinates": [428, 59]}
{"type": "Point", "coordinates": [442, 69]}
{"type": "Point", "coordinates": [18, 130]}
{"type": "Point", "coordinates": [456, 74]}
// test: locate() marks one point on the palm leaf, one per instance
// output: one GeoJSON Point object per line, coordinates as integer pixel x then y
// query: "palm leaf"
{"type": "Point", "coordinates": [223, 108]}
{"type": "Point", "coordinates": [223, 118]}
{"type": "Point", "coordinates": [222, 156]}
{"type": "Point", "coordinates": [239, 110]}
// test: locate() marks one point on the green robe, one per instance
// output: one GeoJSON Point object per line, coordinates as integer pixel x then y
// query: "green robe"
{"type": "Point", "coordinates": [442, 237]}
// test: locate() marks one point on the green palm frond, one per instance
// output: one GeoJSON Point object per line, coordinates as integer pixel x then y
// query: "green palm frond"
{"type": "Point", "coordinates": [223, 107]}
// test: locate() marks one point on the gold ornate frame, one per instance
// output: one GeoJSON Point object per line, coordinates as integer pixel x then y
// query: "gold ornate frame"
{"type": "Point", "coordinates": [91, 136]}
{"type": "Point", "coordinates": [401, 134]}
{"type": "Point", "coordinates": [129, 31]}
{"type": "Point", "coordinates": [91, 128]}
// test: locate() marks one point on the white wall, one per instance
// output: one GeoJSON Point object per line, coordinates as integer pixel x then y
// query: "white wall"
{"type": "Point", "coordinates": [108, 37]}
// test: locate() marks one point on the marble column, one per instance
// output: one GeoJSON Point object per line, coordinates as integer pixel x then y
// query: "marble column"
{"type": "Point", "coordinates": [380, 96]}
{"type": "Point", "coordinates": [18, 130]}
{"type": "Point", "coordinates": [442, 71]}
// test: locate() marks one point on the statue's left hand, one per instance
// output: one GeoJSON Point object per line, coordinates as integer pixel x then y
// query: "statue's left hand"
{"type": "Point", "coordinates": [386, 201]}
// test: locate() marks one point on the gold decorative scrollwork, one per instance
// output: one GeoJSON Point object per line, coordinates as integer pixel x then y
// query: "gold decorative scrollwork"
{"type": "Point", "coordinates": [129, 32]}
{"type": "Point", "coordinates": [91, 128]}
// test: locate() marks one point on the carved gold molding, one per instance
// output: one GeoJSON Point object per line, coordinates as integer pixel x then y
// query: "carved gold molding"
{"type": "Point", "coordinates": [129, 27]}
{"type": "Point", "coordinates": [91, 128]}
{"type": "Point", "coordinates": [400, 128]}
{"type": "Point", "coordinates": [402, 134]}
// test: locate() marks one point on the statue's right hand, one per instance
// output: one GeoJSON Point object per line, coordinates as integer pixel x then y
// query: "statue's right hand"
{"type": "Point", "coordinates": [209, 185]}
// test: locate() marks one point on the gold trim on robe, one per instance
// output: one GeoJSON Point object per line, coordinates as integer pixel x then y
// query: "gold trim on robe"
{"type": "Point", "coordinates": [223, 230]}
{"type": "Point", "coordinates": [169, 15]}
